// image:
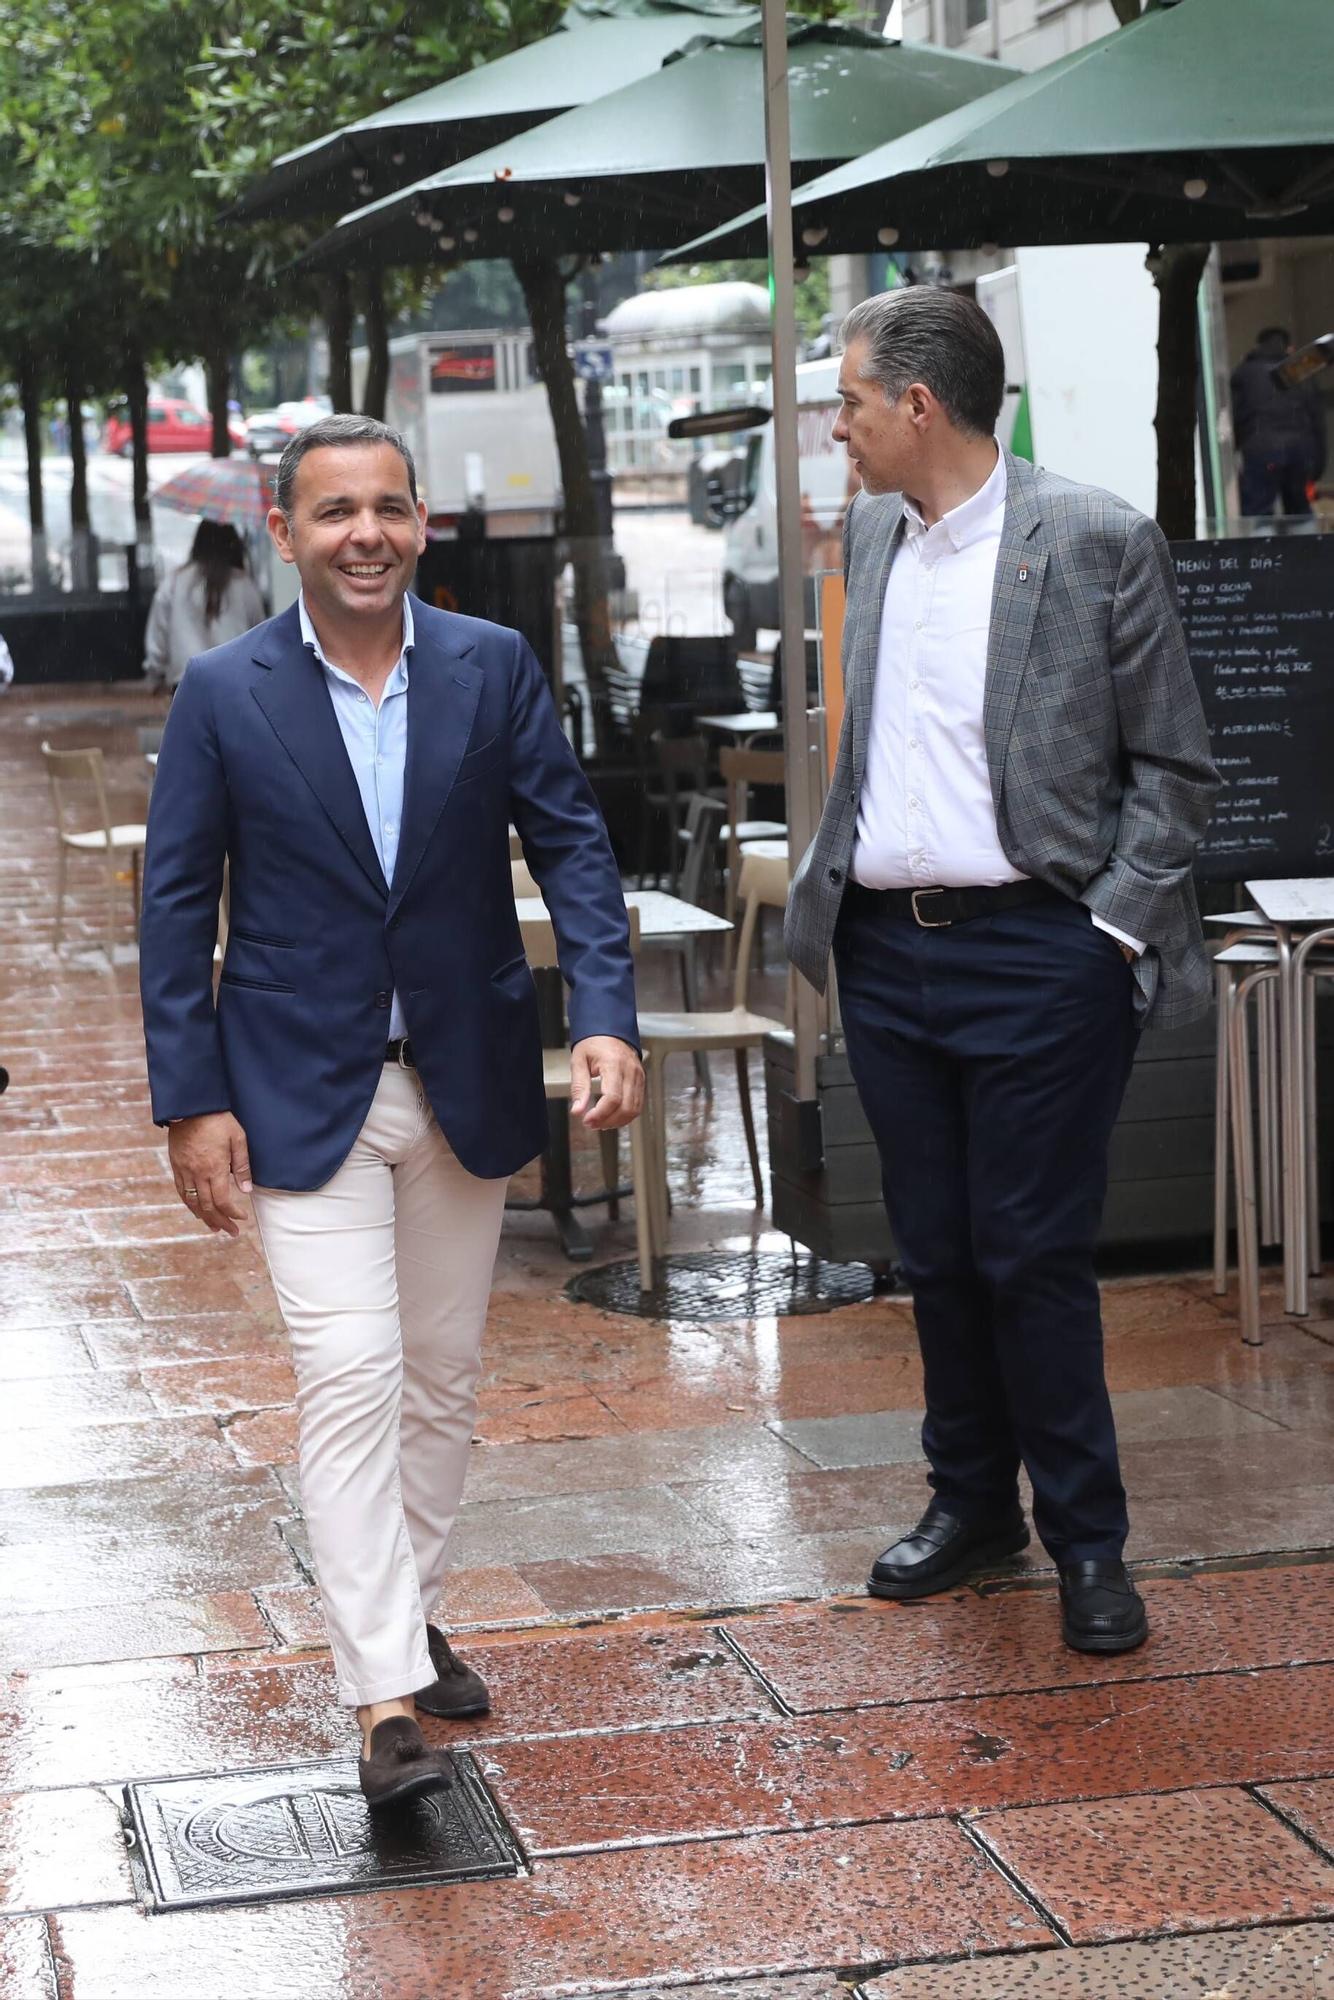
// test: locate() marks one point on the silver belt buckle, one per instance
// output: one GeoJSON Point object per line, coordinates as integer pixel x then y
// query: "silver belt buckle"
{"type": "Point", "coordinates": [940, 923]}
{"type": "Point", "coordinates": [402, 1057]}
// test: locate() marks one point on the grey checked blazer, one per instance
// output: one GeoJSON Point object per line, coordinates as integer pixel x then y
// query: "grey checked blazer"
{"type": "Point", "coordinates": [1096, 742]}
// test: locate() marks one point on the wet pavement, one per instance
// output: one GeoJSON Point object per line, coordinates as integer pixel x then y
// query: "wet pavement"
{"type": "Point", "coordinates": [728, 1771]}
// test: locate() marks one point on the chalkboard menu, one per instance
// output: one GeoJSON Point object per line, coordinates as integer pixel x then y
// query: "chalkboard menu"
{"type": "Point", "coordinates": [1259, 620]}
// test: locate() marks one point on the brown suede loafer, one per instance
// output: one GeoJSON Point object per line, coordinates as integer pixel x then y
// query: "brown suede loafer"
{"type": "Point", "coordinates": [456, 1691]}
{"type": "Point", "coordinates": [402, 1764]}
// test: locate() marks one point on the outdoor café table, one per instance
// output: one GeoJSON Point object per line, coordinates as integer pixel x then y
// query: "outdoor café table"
{"type": "Point", "coordinates": [1295, 905]}
{"type": "Point", "coordinates": [742, 726]}
{"type": "Point", "coordinates": [661, 917]}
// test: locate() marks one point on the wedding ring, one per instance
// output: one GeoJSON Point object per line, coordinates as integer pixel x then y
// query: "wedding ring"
{"type": "Point", "coordinates": [191, 1194]}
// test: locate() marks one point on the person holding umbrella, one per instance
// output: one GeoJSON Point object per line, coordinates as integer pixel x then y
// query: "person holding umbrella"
{"type": "Point", "coordinates": [1003, 872]}
{"type": "Point", "coordinates": [210, 599]}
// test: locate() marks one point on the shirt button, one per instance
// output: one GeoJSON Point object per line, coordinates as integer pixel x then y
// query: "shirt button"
{"type": "Point", "coordinates": [389, 826]}
{"type": "Point", "coordinates": [918, 626]}
{"type": "Point", "coordinates": [913, 805]}
{"type": "Point", "coordinates": [913, 744]}
{"type": "Point", "coordinates": [914, 685]}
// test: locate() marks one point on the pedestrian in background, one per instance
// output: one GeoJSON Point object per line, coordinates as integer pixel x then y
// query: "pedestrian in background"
{"type": "Point", "coordinates": [1003, 871]}
{"type": "Point", "coordinates": [1280, 432]}
{"type": "Point", "coordinates": [210, 599]}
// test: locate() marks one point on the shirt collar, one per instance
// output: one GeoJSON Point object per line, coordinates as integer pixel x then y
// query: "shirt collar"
{"type": "Point", "coordinates": [972, 518]}
{"type": "Point", "coordinates": [310, 638]}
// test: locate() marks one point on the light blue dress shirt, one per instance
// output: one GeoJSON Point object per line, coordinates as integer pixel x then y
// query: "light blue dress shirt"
{"type": "Point", "coordinates": [376, 740]}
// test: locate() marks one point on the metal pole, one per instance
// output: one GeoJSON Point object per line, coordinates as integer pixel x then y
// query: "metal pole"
{"type": "Point", "coordinates": [799, 726]}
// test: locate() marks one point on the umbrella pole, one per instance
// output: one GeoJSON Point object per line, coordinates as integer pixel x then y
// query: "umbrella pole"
{"type": "Point", "coordinates": [801, 728]}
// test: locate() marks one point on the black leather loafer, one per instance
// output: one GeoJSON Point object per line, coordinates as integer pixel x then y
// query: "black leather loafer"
{"type": "Point", "coordinates": [1101, 1610]}
{"type": "Point", "coordinates": [943, 1549]}
{"type": "Point", "coordinates": [401, 1765]}
{"type": "Point", "coordinates": [456, 1690]}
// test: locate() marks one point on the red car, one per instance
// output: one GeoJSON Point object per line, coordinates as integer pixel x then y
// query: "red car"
{"type": "Point", "coordinates": [173, 425]}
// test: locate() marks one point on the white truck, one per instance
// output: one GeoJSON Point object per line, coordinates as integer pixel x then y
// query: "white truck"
{"type": "Point", "coordinates": [750, 541]}
{"type": "Point", "coordinates": [474, 412]}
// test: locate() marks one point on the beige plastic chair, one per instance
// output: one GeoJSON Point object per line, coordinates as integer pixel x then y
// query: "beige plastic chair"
{"type": "Point", "coordinates": [737, 1028]}
{"type": "Point", "coordinates": [72, 774]}
{"type": "Point", "coordinates": [539, 944]}
{"type": "Point", "coordinates": [740, 770]}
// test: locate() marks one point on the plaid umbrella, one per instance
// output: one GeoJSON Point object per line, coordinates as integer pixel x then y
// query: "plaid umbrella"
{"type": "Point", "coordinates": [224, 489]}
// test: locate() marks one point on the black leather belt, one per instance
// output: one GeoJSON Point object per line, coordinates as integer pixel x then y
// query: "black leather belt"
{"type": "Point", "coordinates": [936, 909]}
{"type": "Point", "coordinates": [400, 1052]}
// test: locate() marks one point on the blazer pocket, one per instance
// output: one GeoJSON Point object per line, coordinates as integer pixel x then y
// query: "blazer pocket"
{"type": "Point", "coordinates": [511, 968]}
{"type": "Point", "coordinates": [253, 937]}
{"type": "Point", "coordinates": [476, 763]}
{"type": "Point", "coordinates": [254, 985]}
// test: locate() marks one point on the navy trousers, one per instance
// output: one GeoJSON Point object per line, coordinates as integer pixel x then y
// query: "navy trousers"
{"type": "Point", "coordinates": [991, 1058]}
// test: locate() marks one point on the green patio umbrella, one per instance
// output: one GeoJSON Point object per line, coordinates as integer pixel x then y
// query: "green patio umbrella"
{"type": "Point", "coordinates": [636, 168]}
{"type": "Point", "coordinates": [1201, 120]}
{"type": "Point", "coordinates": [601, 45]}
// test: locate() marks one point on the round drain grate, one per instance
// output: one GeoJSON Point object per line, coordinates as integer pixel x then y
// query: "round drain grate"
{"type": "Point", "coordinates": [723, 1284]}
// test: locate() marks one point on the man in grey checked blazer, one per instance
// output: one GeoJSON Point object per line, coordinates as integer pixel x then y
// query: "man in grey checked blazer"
{"type": "Point", "coordinates": [1003, 874]}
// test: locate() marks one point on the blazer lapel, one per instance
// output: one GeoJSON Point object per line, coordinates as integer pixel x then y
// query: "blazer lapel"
{"type": "Point", "coordinates": [1020, 568]}
{"type": "Point", "coordinates": [444, 686]}
{"type": "Point", "coordinates": [295, 697]}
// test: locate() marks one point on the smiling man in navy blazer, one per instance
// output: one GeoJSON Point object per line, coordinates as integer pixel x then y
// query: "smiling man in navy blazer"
{"type": "Point", "coordinates": [371, 1068]}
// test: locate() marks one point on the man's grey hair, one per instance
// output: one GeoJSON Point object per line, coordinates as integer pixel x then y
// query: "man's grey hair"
{"type": "Point", "coordinates": [336, 431]}
{"type": "Point", "coordinates": [942, 339]}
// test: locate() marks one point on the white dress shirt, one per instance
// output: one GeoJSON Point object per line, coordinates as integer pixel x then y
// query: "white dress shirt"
{"type": "Point", "coordinates": [375, 736]}
{"type": "Point", "coordinates": [926, 818]}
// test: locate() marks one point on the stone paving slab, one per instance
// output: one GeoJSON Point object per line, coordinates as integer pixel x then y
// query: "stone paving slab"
{"type": "Point", "coordinates": [224, 1621]}
{"type": "Point", "coordinates": [892, 1436]}
{"type": "Point", "coordinates": [27, 1970]}
{"type": "Point", "coordinates": [177, 1718]}
{"type": "Point", "coordinates": [61, 1847]}
{"type": "Point", "coordinates": [1189, 1861]}
{"type": "Point", "coordinates": [943, 1757]}
{"type": "Point", "coordinates": [1310, 1807]}
{"type": "Point", "coordinates": [1291, 1962]}
{"type": "Point", "coordinates": [589, 1924]}
{"type": "Point", "coordinates": [859, 1653]}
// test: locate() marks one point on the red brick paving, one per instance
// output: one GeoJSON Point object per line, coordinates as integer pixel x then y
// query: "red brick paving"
{"type": "Point", "coordinates": [1184, 1861]}
{"type": "Point", "coordinates": [157, 1617]}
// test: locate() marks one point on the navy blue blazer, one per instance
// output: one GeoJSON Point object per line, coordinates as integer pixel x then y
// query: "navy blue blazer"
{"type": "Point", "coordinates": [253, 769]}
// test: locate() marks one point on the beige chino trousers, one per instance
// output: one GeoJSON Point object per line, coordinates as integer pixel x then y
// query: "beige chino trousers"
{"type": "Point", "coordinates": [383, 1276]}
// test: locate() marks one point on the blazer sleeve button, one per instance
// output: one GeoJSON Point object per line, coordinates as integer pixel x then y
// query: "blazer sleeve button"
{"type": "Point", "coordinates": [836, 874]}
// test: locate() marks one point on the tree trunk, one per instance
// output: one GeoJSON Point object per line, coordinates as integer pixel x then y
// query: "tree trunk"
{"type": "Point", "coordinates": [30, 395]}
{"type": "Point", "coordinates": [376, 389]}
{"type": "Point", "coordinates": [218, 375]}
{"type": "Point", "coordinates": [83, 567]}
{"type": "Point", "coordinates": [136, 396]}
{"type": "Point", "coordinates": [1177, 269]}
{"type": "Point", "coordinates": [338, 323]}
{"type": "Point", "coordinates": [544, 295]}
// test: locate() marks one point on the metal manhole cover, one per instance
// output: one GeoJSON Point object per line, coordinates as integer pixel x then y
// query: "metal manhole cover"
{"type": "Point", "coordinates": [302, 1829]}
{"type": "Point", "coordinates": [722, 1284]}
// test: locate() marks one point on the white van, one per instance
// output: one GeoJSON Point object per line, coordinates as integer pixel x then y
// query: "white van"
{"type": "Point", "coordinates": [750, 545]}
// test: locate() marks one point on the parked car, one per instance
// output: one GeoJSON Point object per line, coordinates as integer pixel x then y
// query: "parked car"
{"type": "Point", "coordinates": [173, 425]}
{"type": "Point", "coordinates": [269, 430]}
